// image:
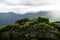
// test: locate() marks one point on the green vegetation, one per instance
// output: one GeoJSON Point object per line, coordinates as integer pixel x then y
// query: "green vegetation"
{"type": "Point", "coordinates": [26, 29]}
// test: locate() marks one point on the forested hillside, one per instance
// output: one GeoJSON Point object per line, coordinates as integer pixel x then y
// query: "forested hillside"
{"type": "Point", "coordinates": [31, 29]}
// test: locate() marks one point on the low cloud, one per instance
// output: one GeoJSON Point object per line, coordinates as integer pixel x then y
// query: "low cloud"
{"type": "Point", "coordinates": [22, 6]}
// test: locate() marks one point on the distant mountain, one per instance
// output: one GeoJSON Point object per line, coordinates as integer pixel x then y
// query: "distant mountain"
{"type": "Point", "coordinates": [10, 17]}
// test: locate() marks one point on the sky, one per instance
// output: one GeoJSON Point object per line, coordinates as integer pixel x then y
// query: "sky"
{"type": "Point", "coordinates": [23, 6]}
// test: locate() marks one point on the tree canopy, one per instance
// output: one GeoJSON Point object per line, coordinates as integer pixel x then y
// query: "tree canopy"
{"type": "Point", "coordinates": [31, 29]}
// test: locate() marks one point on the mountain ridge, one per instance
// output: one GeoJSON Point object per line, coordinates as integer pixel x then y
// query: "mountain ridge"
{"type": "Point", "coordinates": [11, 17]}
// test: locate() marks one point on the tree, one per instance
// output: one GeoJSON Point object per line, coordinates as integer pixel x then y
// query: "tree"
{"type": "Point", "coordinates": [35, 29]}
{"type": "Point", "coordinates": [47, 32]}
{"type": "Point", "coordinates": [10, 32]}
{"type": "Point", "coordinates": [43, 20]}
{"type": "Point", "coordinates": [34, 21]}
{"type": "Point", "coordinates": [22, 21]}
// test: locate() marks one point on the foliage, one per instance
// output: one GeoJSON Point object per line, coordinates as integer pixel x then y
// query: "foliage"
{"type": "Point", "coordinates": [35, 29]}
{"type": "Point", "coordinates": [22, 21]}
{"type": "Point", "coordinates": [43, 20]}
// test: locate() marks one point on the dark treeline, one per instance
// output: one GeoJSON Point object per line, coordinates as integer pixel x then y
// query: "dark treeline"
{"type": "Point", "coordinates": [26, 29]}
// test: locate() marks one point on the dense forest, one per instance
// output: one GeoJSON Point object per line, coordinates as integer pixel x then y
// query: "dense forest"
{"type": "Point", "coordinates": [31, 29]}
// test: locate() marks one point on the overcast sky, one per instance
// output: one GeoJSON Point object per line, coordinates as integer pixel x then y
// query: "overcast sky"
{"type": "Point", "coordinates": [22, 6]}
